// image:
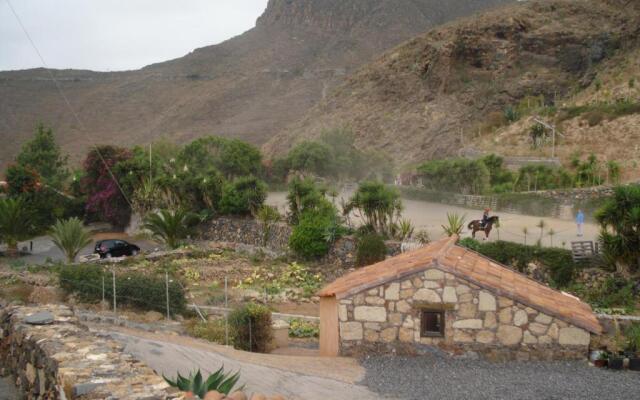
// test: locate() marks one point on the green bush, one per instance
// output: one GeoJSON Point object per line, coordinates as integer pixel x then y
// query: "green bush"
{"type": "Point", "coordinates": [316, 230]}
{"type": "Point", "coordinates": [251, 325]}
{"type": "Point", "coordinates": [632, 333]}
{"type": "Point", "coordinates": [558, 262]}
{"type": "Point", "coordinates": [371, 249]}
{"type": "Point", "coordinates": [244, 196]}
{"type": "Point", "coordinates": [212, 331]}
{"type": "Point", "coordinates": [133, 289]}
{"type": "Point", "coordinates": [299, 328]}
{"type": "Point", "coordinates": [614, 292]}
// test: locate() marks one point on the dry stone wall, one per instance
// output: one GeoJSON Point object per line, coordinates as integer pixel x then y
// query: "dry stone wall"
{"type": "Point", "coordinates": [58, 358]}
{"type": "Point", "coordinates": [387, 319]}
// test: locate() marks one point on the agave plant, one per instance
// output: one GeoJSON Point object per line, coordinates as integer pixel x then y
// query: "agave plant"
{"type": "Point", "coordinates": [218, 381]}
{"type": "Point", "coordinates": [171, 226]}
{"type": "Point", "coordinates": [406, 229]}
{"type": "Point", "coordinates": [455, 224]}
{"type": "Point", "coordinates": [70, 237]}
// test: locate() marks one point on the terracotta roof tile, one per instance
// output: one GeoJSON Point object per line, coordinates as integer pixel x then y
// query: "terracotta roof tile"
{"type": "Point", "coordinates": [475, 268]}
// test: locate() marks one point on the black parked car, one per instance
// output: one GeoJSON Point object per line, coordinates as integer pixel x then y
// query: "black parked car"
{"type": "Point", "coordinates": [115, 248]}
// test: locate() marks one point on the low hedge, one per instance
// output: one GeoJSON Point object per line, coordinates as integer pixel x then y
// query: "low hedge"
{"type": "Point", "coordinates": [559, 262]}
{"type": "Point", "coordinates": [143, 292]}
{"type": "Point", "coordinates": [251, 327]}
{"type": "Point", "coordinates": [371, 249]}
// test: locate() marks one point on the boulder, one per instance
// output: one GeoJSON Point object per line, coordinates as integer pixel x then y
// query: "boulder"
{"type": "Point", "coordinates": [509, 335]}
{"type": "Point", "coordinates": [373, 314]}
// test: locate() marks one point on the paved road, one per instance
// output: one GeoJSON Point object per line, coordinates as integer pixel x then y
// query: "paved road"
{"type": "Point", "coordinates": [295, 378]}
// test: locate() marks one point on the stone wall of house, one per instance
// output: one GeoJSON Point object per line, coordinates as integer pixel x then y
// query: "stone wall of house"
{"type": "Point", "coordinates": [387, 319]}
{"type": "Point", "coordinates": [49, 352]}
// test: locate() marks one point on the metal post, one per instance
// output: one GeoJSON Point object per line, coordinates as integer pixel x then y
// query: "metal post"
{"type": "Point", "coordinates": [553, 145]}
{"type": "Point", "coordinates": [166, 279]}
{"type": "Point", "coordinates": [103, 290]}
{"type": "Point", "coordinates": [115, 310]}
{"type": "Point", "coordinates": [226, 314]}
{"type": "Point", "coordinates": [250, 338]}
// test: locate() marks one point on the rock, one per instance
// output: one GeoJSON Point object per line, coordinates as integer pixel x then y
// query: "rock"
{"type": "Point", "coordinates": [392, 292]}
{"type": "Point", "coordinates": [395, 319]}
{"type": "Point", "coordinates": [462, 337]}
{"type": "Point", "coordinates": [509, 335]}
{"type": "Point", "coordinates": [373, 314]}
{"type": "Point", "coordinates": [574, 337]}
{"type": "Point", "coordinates": [543, 319]}
{"type": "Point", "coordinates": [467, 310]}
{"type": "Point", "coordinates": [485, 337]}
{"type": "Point", "coordinates": [374, 301]}
{"type": "Point", "coordinates": [403, 307]}
{"type": "Point", "coordinates": [405, 335]}
{"type": "Point", "coordinates": [371, 335]}
{"type": "Point", "coordinates": [490, 321]}
{"type": "Point", "coordinates": [520, 318]}
{"type": "Point", "coordinates": [553, 331]}
{"type": "Point", "coordinates": [40, 318]}
{"type": "Point", "coordinates": [528, 338]}
{"type": "Point", "coordinates": [462, 289]}
{"type": "Point", "coordinates": [84, 388]}
{"type": "Point", "coordinates": [433, 274]}
{"type": "Point", "coordinates": [342, 313]}
{"type": "Point", "coordinates": [504, 302]}
{"type": "Point", "coordinates": [468, 324]}
{"type": "Point", "coordinates": [487, 302]}
{"type": "Point", "coordinates": [406, 284]}
{"type": "Point", "coordinates": [538, 329]}
{"type": "Point", "coordinates": [213, 395]}
{"type": "Point", "coordinates": [431, 285]}
{"type": "Point", "coordinates": [238, 395]}
{"type": "Point", "coordinates": [389, 335]}
{"type": "Point", "coordinates": [153, 316]}
{"type": "Point", "coordinates": [351, 331]}
{"type": "Point", "coordinates": [30, 372]}
{"type": "Point", "coordinates": [277, 397]}
{"type": "Point", "coordinates": [427, 295]}
{"type": "Point", "coordinates": [449, 295]}
{"type": "Point", "coordinates": [505, 316]}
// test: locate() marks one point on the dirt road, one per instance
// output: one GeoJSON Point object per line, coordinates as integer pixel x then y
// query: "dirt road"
{"type": "Point", "coordinates": [308, 378]}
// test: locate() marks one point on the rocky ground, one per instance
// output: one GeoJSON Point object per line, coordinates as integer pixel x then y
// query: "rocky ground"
{"type": "Point", "coordinates": [440, 377]}
{"type": "Point", "coordinates": [7, 389]}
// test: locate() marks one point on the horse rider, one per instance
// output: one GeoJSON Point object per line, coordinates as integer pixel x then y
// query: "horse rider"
{"type": "Point", "coordinates": [485, 218]}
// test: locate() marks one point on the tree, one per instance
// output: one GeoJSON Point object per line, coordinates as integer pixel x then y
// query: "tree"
{"type": "Point", "coordinates": [104, 197]}
{"type": "Point", "coordinates": [619, 220]}
{"type": "Point", "coordinates": [171, 227]}
{"type": "Point", "coordinates": [70, 237]}
{"type": "Point", "coordinates": [243, 196]}
{"type": "Point", "coordinates": [232, 157]}
{"type": "Point", "coordinates": [311, 157]}
{"type": "Point", "coordinates": [304, 195]}
{"type": "Point", "coordinates": [317, 229]}
{"type": "Point", "coordinates": [378, 205]}
{"type": "Point", "coordinates": [15, 223]}
{"type": "Point", "coordinates": [42, 155]}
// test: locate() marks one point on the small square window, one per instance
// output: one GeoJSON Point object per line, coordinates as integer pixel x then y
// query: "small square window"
{"type": "Point", "coordinates": [432, 324]}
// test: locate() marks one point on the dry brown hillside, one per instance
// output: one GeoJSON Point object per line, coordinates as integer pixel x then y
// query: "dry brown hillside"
{"type": "Point", "coordinates": [248, 87]}
{"type": "Point", "coordinates": [426, 97]}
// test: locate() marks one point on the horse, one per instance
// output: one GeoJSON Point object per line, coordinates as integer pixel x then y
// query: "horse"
{"type": "Point", "coordinates": [476, 225]}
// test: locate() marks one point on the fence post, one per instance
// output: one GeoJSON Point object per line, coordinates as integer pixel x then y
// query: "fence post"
{"type": "Point", "coordinates": [166, 280]}
{"type": "Point", "coordinates": [226, 313]}
{"type": "Point", "coordinates": [115, 310]}
{"type": "Point", "coordinates": [102, 290]}
{"type": "Point", "coordinates": [250, 338]}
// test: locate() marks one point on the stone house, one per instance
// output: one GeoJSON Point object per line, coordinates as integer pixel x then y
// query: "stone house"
{"type": "Point", "coordinates": [445, 296]}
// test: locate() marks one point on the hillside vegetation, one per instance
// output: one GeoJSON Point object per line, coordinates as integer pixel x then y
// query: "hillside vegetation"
{"type": "Point", "coordinates": [451, 87]}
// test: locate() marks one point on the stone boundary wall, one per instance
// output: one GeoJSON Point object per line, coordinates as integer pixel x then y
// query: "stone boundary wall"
{"type": "Point", "coordinates": [52, 356]}
{"type": "Point", "coordinates": [250, 232]}
{"type": "Point", "coordinates": [387, 319]}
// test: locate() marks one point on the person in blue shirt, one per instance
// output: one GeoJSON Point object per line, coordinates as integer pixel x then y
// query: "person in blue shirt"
{"type": "Point", "coordinates": [580, 222]}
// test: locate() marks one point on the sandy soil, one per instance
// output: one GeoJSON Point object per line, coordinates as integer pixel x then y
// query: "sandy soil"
{"type": "Point", "coordinates": [431, 216]}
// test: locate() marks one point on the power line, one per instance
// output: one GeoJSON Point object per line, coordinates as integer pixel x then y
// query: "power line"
{"type": "Point", "coordinates": [66, 100]}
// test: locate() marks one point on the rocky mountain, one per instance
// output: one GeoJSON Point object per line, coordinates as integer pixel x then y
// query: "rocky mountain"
{"type": "Point", "coordinates": [249, 87]}
{"type": "Point", "coordinates": [448, 88]}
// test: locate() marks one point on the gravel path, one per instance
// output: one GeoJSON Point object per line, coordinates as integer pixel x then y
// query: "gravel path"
{"type": "Point", "coordinates": [441, 378]}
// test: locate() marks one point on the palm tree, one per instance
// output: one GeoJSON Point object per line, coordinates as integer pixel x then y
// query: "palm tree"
{"type": "Point", "coordinates": [15, 223]}
{"type": "Point", "coordinates": [551, 234]}
{"type": "Point", "coordinates": [541, 225]}
{"type": "Point", "coordinates": [70, 237]}
{"type": "Point", "coordinates": [171, 227]}
{"type": "Point", "coordinates": [455, 224]}
{"type": "Point", "coordinates": [525, 232]}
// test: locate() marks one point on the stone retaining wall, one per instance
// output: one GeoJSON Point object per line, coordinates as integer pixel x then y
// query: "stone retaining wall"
{"type": "Point", "coordinates": [59, 358]}
{"type": "Point", "coordinates": [387, 319]}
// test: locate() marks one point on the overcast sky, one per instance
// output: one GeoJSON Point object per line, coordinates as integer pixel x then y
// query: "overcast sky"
{"type": "Point", "coordinates": [111, 35]}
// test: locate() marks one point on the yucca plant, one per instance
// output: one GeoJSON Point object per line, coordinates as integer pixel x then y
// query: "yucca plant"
{"type": "Point", "coordinates": [15, 223]}
{"type": "Point", "coordinates": [70, 237]}
{"type": "Point", "coordinates": [218, 381]}
{"type": "Point", "coordinates": [525, 232]}
{"type": "Point", "coordinates": [267, 216]}
{"type": "Point", "coordinates": [542, 224]}
{"type": "Point", "coordinates": [171, 227]}
{"type": "Point", "coordinates": [455, 224]}
{"type": "Point", "coordinates": [551, 234]}
{"type": "Point", "coordinates": [405, 229]}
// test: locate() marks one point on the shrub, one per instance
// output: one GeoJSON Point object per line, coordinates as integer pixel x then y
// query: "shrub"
{"type": "Point", "coordinates": [171, 227]}
{"type": "Point", "coordinates": [371, 249]}
{"type": "Point", "coordinates": [243, 196]}
{"type": "Point", "coordinates": [133, 289]}
{"type": "Point", "coordinates": [299, 328]}
{"type": "Point", "coordinates": [213, 331]}
{"type": "Point", "coordinates": [518, 256]}
{"type": "Point", "coordinates": [378, 205]}
{"type": "Point", "coordinates": [15, 222]}
{"type": "Point", "coordinates": [632, 333]}
{"type": "Point", "coordinates": [315, 232]}
{"type": "Point", "coordinates": [70, 237]}
{"type": "Point", "coordinates": [251, 325]}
